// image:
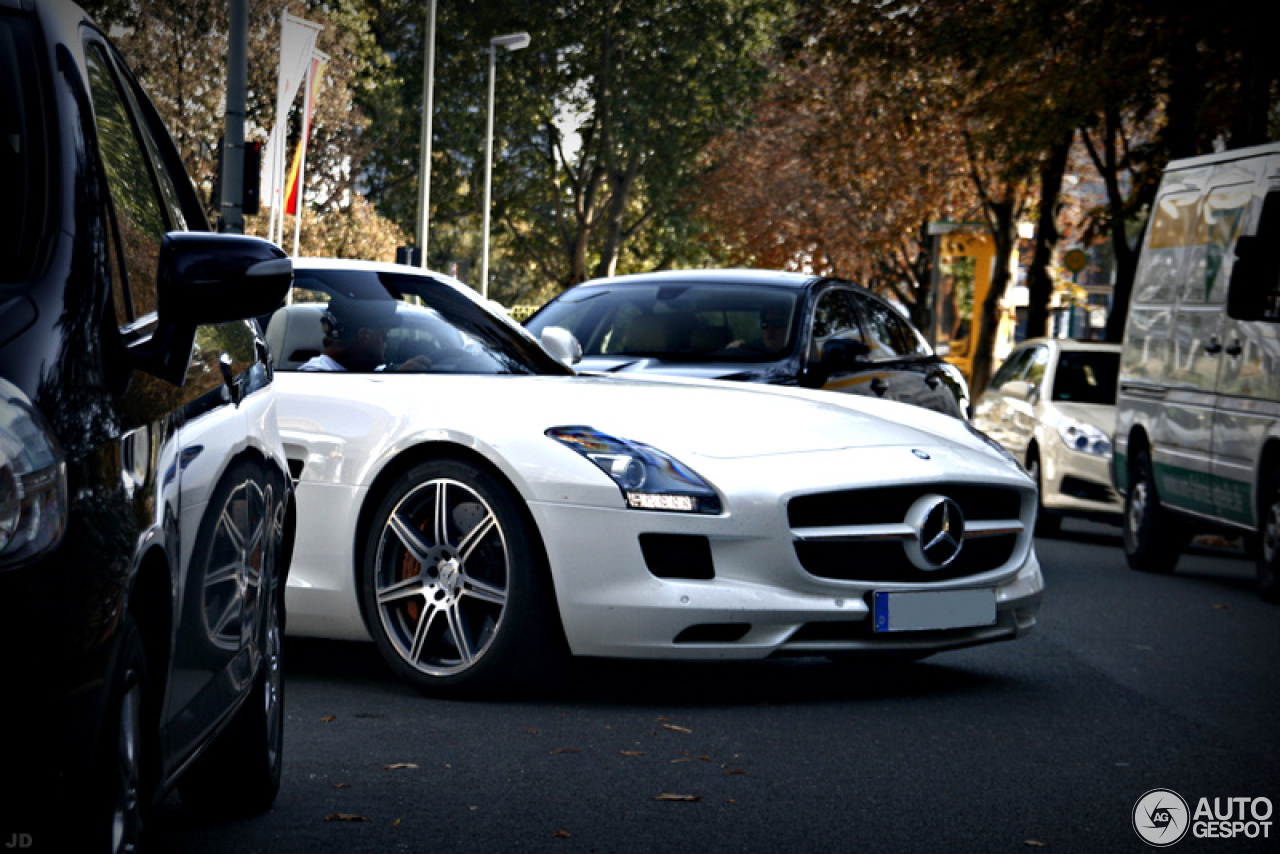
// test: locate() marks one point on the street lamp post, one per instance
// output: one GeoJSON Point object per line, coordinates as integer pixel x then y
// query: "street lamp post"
{"type": "Point", "coordinates": [424, 171]}
{"type": "Point", "coordinates": [515, 41]}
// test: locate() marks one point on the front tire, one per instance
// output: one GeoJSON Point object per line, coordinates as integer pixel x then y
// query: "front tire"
{"type": "Point", "coordinates": [1048, 523]}
{"type": "Point", "coordinates": [124, 768]}
{"type": "Point", "coordinates": [1152, 540]}
{"type": "Point", "coordinates": [453, 584]}
{"type": "Point", "coordinates": [1268, 551]}
{"type": "Point", "coordinates": [239, 773]}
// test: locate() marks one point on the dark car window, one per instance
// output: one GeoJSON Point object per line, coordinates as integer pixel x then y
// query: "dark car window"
{"type": "Point", "coordinates": [677, 321]}
{"type": "Point", "coordinates": [22, 151]}
{"type": "Point", "coordinates": [139, 211]}
{"type": "Point", "coordinates": [835, 316]}
{"type": "Point", "coordinates": [1087, 377]}
{"type": "Point", "coordinates": [885, 332]}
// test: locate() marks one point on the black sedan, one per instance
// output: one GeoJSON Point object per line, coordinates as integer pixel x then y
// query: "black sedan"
{"type": "Point", "coordinates": [146, 512]}
{"type": "Point", "coordinates": [755, 326]}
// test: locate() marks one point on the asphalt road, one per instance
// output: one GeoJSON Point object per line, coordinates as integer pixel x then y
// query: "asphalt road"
{"type": "Point", "coordinates": [1130, 683]}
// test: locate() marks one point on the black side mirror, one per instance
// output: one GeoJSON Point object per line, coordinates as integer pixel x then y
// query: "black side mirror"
{"type": "Point", "coordinates": [209, 278]}
{"type": "Point", "coordinates": [843, 353]}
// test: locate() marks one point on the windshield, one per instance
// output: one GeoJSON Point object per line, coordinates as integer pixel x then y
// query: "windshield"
{"type": "Point", "coordinates": [369, 320]}
{"type": "Point", "coordinates": [678, 322]}
{"type": "Point", "coordinates": [1087, 377]}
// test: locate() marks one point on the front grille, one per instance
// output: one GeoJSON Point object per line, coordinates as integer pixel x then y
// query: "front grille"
{"type": "Point", "coordinates": [864, 535]}
{"type": "Point", "coordinates": [884, 505]}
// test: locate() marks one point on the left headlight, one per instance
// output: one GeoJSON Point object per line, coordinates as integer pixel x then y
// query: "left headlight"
{"type": "Point", "coordinates": [33, 481]}
{"type": "Point", "coordinates": [1084, 437]}
{"type": "Point", "coordinates": [648, 478]}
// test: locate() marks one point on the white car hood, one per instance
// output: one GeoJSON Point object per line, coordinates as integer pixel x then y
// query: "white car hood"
{"type": "Point", "coordinates": [710, 419]}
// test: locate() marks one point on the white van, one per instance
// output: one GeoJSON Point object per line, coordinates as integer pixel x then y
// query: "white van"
{"type": "Point", "coordinates": [1197, 443]}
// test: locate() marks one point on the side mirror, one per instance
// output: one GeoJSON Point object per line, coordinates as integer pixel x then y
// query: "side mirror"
{"type": "Point", "coordinates": [561, 344]}
{"type": "Point", "coordinates": [209, 278]}
{"type": "Point", "coordinates": [1254, 291]}
{"type": "Point", "coordinates": [1020, 389]}
{"type": "Point", "coordinates": [843, 353]}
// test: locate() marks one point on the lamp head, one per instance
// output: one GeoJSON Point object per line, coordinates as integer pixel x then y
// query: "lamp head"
{"type": "Point", "coordinates": [514, 41]}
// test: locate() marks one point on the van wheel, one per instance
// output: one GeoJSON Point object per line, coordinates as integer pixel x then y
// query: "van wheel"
{"type": "Point", "coordinates": [1048, 523]}
{"type": "Point", "coordinates": [1152, 543]}
{"type": "Point", "coordinates": [1269, 541]}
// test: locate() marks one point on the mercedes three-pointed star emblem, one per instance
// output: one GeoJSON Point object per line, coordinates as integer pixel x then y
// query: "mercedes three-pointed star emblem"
{"type": "Point", "coordinates": [939, 526]}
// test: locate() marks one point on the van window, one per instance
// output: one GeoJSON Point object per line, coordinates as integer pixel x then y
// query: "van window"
{"type": "Point", "coordinates": [1216, 228]}
{"type": "Point", "coordinates": [1163, 263]}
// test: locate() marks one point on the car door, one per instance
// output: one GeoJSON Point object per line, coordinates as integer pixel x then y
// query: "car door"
{"type": "Point", "coordinates": [189, 433]}
{"type": "Point", "coordinates": [908, 376]}
{"type": "Point", "coordinates": [995, 413]}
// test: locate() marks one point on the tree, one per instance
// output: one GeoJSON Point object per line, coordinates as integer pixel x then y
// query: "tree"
{"type": "Point", "coordinates": [839, 173]}
{"type": "Point", "coordinates": [597, 127]}
{"type": "Point", "coordinates": [178, 51]}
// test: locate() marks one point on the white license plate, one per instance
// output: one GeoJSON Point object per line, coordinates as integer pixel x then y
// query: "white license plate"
{"type": "Point", "coordinates": [933, 609]}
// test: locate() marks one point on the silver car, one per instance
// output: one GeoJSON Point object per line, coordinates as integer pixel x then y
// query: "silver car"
{"type": "Point", "coordinates": [1052, 404]}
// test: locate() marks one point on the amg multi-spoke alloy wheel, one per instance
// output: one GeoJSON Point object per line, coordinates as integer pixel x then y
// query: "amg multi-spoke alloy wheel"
{"type": "Point", "coordinates": [453, 586]}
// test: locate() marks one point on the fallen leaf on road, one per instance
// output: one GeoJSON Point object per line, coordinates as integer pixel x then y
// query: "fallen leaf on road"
{"type": "Point", "coordinates": [667, 796]}
{"type": "Point", "coordinates": [1035, 843]}
{"type": "Point", "coordinates": [342, 785]}
{"type": "Point", "coordinates": [1220, 607]}
{"type": "Point", "coordinates": [735, 771]}
{"type": "Point", "coordinates": [328, 719]}
{"type": "Point", "coordinates": [344, 816]}
{"type": "Point", "coordinates": [566, 750]}
{"type": "Point", "coordinates": [632, 752]}
{"type": "Point", "coordinates": [562, 834]}
{"type": "Point", "coordinates": [678, 761]}
{"type": "Point", "coordinates": [677, 728]}
{"type": "Point", "coordinates": [397, 765]}
{"type": "Point", "coordinates": [531, 732]}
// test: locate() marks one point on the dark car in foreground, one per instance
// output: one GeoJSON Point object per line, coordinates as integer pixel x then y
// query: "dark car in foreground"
{"type": "Point", "coordinates": [755, 326]}
{"type": "Point", "coordinates": [145, 509]}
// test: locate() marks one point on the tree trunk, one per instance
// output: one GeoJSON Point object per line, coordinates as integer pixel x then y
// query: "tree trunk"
{"type": "Point", "coordinates": [1004, 233]}
{"type": "Point", "coordinates": [1039, 280]}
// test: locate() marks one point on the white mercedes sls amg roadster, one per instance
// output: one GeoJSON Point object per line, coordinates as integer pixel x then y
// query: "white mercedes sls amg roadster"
{"type": "Point", "coordinates": [477, 508]}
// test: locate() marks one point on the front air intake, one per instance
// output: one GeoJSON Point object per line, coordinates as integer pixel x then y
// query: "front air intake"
{"type": "Point", "coordinates": [678, 556]}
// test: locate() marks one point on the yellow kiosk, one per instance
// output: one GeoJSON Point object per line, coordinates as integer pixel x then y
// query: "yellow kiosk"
{"type": "Point", "coordinates": [965, 262]}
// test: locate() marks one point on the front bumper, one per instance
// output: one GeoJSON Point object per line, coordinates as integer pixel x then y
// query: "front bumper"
{"type": "Point", "coordinates": [761, 601]}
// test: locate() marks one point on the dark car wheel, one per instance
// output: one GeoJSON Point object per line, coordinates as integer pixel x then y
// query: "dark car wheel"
{"type": "Point", "coordinates": [1152, 540]}
{"type": "Point", "coordinates": [239, 773]}
{"type": "Point", "coordinates": [1268, 552]}
{"type": "Point", "coordinates": [1048, 523]}
{"type": "Point", "coordinates": [123, 764]}
{"type": "Point", "coordinates": [453, 587]}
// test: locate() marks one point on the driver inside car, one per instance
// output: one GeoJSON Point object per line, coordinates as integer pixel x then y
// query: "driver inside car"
{"type": "Point", "coordinates": [355, 338]}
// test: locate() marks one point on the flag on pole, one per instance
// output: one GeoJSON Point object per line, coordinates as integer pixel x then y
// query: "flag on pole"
{"type": "Point", "coordinates": [297, 47]}
{"type": "Point", "coordinates": [318, 63]}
